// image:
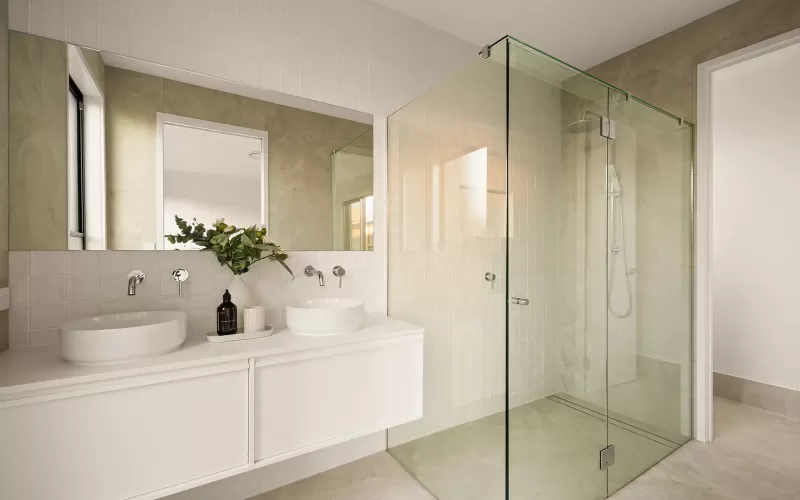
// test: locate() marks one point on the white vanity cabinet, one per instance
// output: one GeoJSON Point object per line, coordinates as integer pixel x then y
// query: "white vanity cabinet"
{"type": "Point", "coordinates": [148, 429]}
{"type": "Point", "coordinates": [124, 438]}
{"type": "Point", "coordinates": [310, 400]}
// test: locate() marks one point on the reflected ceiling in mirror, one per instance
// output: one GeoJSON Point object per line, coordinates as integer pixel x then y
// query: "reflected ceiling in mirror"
{"type": "Point", "coordinates": [106, 150]}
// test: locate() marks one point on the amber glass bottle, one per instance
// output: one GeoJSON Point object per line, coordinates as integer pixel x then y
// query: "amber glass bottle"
{"type": "Point", "coordinates": [226, 316]}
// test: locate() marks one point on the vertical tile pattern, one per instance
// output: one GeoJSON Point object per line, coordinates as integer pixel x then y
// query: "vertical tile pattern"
{"type": "Point", "coordinates": [351, 53]}
{"type": "Point", "coordinates": [49, 288]}
{"type": "Point", "coordinates": [447, 223]}
{"type": "Point", "coordinates": [446, 152]}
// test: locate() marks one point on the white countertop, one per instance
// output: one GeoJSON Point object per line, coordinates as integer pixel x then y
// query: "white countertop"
{"type": "Point", "coordinates": [35, 368]}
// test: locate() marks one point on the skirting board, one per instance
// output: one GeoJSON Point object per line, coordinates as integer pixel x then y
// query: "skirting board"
{"type": "Point", "coordinates": [770, 398]}
{"type": "Point", "coordinates": [274, 476]}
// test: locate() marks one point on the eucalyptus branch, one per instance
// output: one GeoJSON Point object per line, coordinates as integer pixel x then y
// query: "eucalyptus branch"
{"type": "Point", "coordinates": [236, 248]}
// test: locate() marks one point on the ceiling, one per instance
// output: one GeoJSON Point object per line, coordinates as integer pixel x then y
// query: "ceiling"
{"type": "Point", "coordinates": [581, 32]}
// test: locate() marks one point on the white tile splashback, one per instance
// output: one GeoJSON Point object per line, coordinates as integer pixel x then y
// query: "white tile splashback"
{"type": "Point", "coordinates": [49, 288]}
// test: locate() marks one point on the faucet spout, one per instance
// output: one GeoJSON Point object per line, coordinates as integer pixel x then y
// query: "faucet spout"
{"type": "Point", "coordinates": [134, 278]}
{"type": "Point", "coordinates": [310, 271]}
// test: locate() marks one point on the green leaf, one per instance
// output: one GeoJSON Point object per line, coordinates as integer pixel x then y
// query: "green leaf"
{"type": "Point", "coordinates": [219, 239]}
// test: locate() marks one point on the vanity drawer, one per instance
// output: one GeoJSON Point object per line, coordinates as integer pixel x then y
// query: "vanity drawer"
{"type": "Point", "coordinates": [117, 440]}
{"type": "Point", "coordinates": [308, 403]}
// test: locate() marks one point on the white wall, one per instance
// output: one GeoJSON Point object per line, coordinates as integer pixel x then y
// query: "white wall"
{"type": "Point", "coordinates": [756, 174]}
{"type": "Point", "coordinates": [350, 53]}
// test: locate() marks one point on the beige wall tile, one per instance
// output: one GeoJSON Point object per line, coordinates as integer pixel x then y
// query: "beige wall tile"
{"type": "Point", "coordinates": [38, 133]}
{"type": "Point", "coordinates": [662, 71]}
{"type": "Point", "coordinates": [767, 397]}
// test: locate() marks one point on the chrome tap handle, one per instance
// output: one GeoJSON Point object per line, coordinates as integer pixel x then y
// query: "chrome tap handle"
{"type": "Point", "coordinates": [490, 277]}
{"type": "Point", "coordinates": [180, 275]}
{"type": "Point", "coordinates": [339, 271]}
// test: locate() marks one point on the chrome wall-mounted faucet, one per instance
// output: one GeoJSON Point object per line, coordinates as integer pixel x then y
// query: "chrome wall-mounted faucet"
{"type": "Point", "coordinates": [134, 278]}
{"type": "Point", "coordinates": [310, 271]}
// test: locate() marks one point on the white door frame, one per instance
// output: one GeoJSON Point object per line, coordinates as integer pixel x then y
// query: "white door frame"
{"type": "Point", "coordinates": [184, 121]}
{"type": "Point", "coordinates": [704, 314]}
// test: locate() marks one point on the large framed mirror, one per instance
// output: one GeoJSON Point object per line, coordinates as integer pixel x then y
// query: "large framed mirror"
{"type": "Point", "coordinates": [107, 150]}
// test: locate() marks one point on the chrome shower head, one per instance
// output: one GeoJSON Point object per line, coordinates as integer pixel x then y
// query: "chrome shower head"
{"type": "Point", "coordinates": [582, 126]}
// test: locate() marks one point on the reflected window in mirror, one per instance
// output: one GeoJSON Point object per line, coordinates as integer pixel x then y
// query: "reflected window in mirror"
{"type": "Point", "coordinates": [359, 231]}
{"type": "Point", "coordinates": [75, 167]}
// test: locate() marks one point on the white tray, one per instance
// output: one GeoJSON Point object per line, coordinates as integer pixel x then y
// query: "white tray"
{"type": "Point", "coordinates": [213, 337]}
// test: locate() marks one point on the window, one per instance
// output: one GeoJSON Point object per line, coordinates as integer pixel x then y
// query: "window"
{"type": "Point", "coordinates": [75, 147]}
{"type": "Point", "coordinates": [359, 224]}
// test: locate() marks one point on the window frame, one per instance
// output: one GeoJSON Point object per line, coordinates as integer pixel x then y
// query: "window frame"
{"type": "Point", "coordinates": [81, 161]}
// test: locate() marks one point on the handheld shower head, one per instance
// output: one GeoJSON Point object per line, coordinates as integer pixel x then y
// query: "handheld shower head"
{"type": "Point", "coordinates": [614, 186]}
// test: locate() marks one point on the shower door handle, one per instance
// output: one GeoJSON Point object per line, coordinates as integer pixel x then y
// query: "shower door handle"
{"type": "Point", "coordinates": [519, 301]}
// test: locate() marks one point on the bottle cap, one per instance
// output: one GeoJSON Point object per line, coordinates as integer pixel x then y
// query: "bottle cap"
{"type": "Point", "coordinates": [226, 296]}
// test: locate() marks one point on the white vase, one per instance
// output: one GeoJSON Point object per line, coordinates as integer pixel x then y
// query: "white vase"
{"type": "Point", "coordinates": [241, 295]}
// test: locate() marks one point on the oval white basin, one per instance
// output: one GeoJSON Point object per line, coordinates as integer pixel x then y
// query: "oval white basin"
{"type": "Point", "coordinates": [114, 338]}
{"type": "Point", "coordinates": [328, 316]}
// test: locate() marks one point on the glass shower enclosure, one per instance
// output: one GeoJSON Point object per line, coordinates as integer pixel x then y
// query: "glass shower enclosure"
{"type": "Point", "coordinates": [540, 225]}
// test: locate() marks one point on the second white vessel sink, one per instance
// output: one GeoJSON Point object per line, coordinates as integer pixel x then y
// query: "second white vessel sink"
{"type": "Point", "coordinates": [114, 338]}
{"type": "Point", "coordinates": [326, 316]}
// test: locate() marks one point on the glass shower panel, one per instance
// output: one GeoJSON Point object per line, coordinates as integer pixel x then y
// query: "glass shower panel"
{"type": "Point", "coordinates": [557, 246]}
{"type": "Point", "coordinates": [447, 233]}
{"type": "Point", "coordinates": [649, 286]}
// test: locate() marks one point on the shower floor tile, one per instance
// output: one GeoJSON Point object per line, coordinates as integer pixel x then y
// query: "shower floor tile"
{"type": "Point", "coordinates": [554, 453]}
{"type": "Point", "coordinates": [754, 456]}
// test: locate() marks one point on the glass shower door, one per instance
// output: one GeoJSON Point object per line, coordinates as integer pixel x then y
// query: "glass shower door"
{"type": "Point", "coordinates": [447, 238]}
{"type": "Point", "coordinates": [650, 286]}
{"type": "Point", "coordinates": [557, 279]}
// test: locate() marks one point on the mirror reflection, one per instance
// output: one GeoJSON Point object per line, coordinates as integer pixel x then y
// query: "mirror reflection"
{"type": "Point", "coordinates": [107, 150]}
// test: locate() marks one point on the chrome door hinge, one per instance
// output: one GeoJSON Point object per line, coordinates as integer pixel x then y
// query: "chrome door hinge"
{"type": "Point", "coordinates": [608, 456]}
{"type": "Point", "coordinates": [486, 52]}
{"type": "Point", "coordinates": [519, 301]}
{"type": "Point", "coordinates": [608, 128]}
